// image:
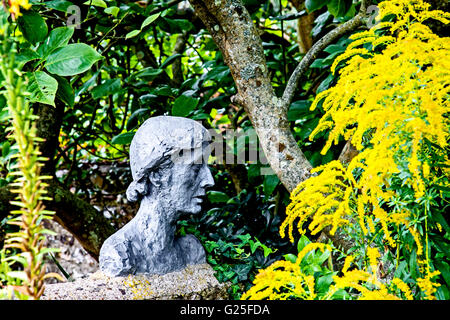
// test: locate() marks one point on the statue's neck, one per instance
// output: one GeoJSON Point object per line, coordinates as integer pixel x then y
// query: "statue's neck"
{"type": "Point", "coordinates": [155, 228]}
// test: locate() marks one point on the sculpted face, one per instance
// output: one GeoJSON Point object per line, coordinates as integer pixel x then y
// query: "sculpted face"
{"type": "Point", "coordinates": [184, 184]}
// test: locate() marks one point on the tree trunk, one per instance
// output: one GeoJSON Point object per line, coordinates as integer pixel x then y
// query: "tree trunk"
{"type": "Point", "coordinates": [233, 31]}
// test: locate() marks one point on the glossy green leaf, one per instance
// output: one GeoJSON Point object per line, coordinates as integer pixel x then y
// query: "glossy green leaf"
{"type": "Point", "coordinates": [217, 197]}
{"type": "Point", "coordinates": [65, 91]}
{"type": "Point", "coordinates": [313, 5]}
{"type": "Point", "coordinates": [150, 20]}
{"type": "Point", "coordinates": [60, 5]}
{"type": "Point", "coordinates": [72, 59]}
{"type": "Point", "coordinates": [32, 26]}
{"type": "Point", "coordinates": [57, 38]}
{"type": "Point", "coordinates": [298, 109]}
{"type": "Point", "coordinates": [132, 120]}
{"type": "Point", "coordinates": [303, 242]}
{"type": "Point", "coordinates": [26, 55]}
{"type": "Point", "coordinates": [132, 34]}
{"type": "Point", "coordinates": [269, 184]}
{"type": "Point", "coordinates": [290, 257]}
{"type": "Point", "coordinates": [112, 11]}
{"type": "Point", "coordinates": [147, 74]}
{"type": "Point", "coordinates": [183, 105]}
{"type": "Point", "coordinates": [97, 3]}
{"type": "Point", "coordinates": [42, 87]}
{"type": "Point", "coordinates": [175, 25]}
{"type": "Point", "coordinates": [170, 60]}
{"type": "Point", "coordinates": [339, 8]}
{"type": "Point", "coordinates": [107, 88]}
{"type": "Point", "coordinates": [123, 138]}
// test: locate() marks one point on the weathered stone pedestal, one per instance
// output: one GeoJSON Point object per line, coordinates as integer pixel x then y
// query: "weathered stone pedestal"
{"type": "Point", "coordinates": [195, 282]}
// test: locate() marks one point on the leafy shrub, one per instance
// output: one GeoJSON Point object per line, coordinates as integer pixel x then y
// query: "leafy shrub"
{"type": "Point", "coordinates": [237, 234]}
{"type": "Point", "coordinates": [390, 199]}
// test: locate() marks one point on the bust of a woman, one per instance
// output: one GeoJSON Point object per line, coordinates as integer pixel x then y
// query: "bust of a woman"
{"type": "Point", "coordinates": [168, 159]}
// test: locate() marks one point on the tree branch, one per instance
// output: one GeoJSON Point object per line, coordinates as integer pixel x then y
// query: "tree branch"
{"type": "Point", "coordinates": [311, 55]}
{"type": "Point", "coordinates": [80, 218]}
{"type": "Point", "coordinates": [234, 32]}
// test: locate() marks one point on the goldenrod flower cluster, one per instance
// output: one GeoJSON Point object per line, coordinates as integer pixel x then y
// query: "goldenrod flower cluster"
{"type": "Point", "coordinates": [14, 6]}
{"type": "Point", "coordinates": [285, 279]}
{"type": "Point", "coordinates": [366, 283]}
{"type": "Point", "coordinates": [391, 100]}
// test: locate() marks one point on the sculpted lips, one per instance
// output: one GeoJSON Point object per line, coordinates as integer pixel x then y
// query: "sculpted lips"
{"type": "Point", "coordinates": [199, 197]}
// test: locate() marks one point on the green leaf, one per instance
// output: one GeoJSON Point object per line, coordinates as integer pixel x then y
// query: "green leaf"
{"type": "Point", "coordinates": [320, 257]}
{"type": "Point", "coordinates": [72, 59]}
{"type": "Point", "coordinates": [242, 271]}
{"type": "Point", "coordinates": [325, 84]}
{"type": "Point", "coordinates": [441, 220]}
{"type": "Point", "coordinates": [42, 87]}
{"type": "Point", "coordinates": [60, 5]}
{"type": "Point", "coordinates": [445, 271]}
{"type": "Point", "coordinates": [339, 8]}
{"type": "Point", "coordinates": [65, 91]}
{"type": "Point", "coordinates": [324, 282]}
{"type": "Point", "coordinates": [150, 19]}
{"type": "Point", "coordinates": [169, 60]}
{"type": "Point", "coordinates": [269, 184]}
{"type": "Point", "coordinates": [333, 48]}
{"type": "Point", "coordinates": [107, 88]}
{"type": "Point", "coordinates": [97, 3]}
{"type": "Point", "coordinates": [5, 149]}
{"type": "Point", "coordinates": [217, 197]}
{"type": "Point", "coordinates": [148, 98]}
{"type": "Point", "coordinates": [317, 63]}
{"type": "Point", "coordinates": [112, 11]}
{"type": "Point", "coordinates": [132, 120]}
{"type": "Point", "coordinates": [303, 242]}
{"type": "Point", "coordinates": [2, 102]}
{"type": "Point", "coordinates": [267, 250]}
{"type": "Point", "coordinates": [183, 105]}
{"type": "Point", "coordinates": [27, 55]}
{"type": "Point", "coordinates": [399, 271]}
{"type": "Point", "coordinates": [123, 138]}
{"type": "Point", "coordinates": [57, 38]}
{"type": "Point", "coordinates": [313, 5]}
{"type": "Point", "coordinates": [147, 74]}
{"type": "Point", "coordinates": [175, 25]}
{"type": "Point", "coordinates": [413, 268]}
{"type": "Point", "coordinates": [254, 245]}
{"type": "Point", "coordinates": [132, 34]}
{"type": "Point", "coordinates": [290, 257]}
{"type": "Point", "coordinates": [298, 109]}
{"type": "Point", "coordinates": [32, 26]}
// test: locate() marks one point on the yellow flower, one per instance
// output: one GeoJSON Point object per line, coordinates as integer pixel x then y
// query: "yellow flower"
{"type": "Point", "coordinates": [14, 6]}
{"type": "Point", "coordinates": [390, 118]}
{"type": "Point", "coordinates": [403, 287]}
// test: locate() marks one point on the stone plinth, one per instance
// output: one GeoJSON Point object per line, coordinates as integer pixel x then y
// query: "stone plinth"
{"type": "Point", "coordinates": [192, 283]}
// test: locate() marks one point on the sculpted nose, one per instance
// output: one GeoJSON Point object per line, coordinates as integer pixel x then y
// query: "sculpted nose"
{"type": "Point", "coordinates": [208, 180]}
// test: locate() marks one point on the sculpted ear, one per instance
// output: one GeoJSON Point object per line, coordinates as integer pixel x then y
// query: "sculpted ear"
{"type": "Point", "coordinates": [155, 178]}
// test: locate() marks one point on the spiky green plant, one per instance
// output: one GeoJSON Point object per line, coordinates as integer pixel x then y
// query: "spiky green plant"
{"type": "Point", "coordinates": [25, 246]}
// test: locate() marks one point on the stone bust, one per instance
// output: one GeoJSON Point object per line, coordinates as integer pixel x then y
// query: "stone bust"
{"type": "Point", "coordinates": [168, 159]}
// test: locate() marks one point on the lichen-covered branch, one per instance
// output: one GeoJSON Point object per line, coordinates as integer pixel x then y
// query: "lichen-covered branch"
{"type": "Point", "coordinates": [311, 55]}
{"type": "Point", "coordinates": [88, 225]}
{"type": "Point", "coordinates": [232, 29]}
